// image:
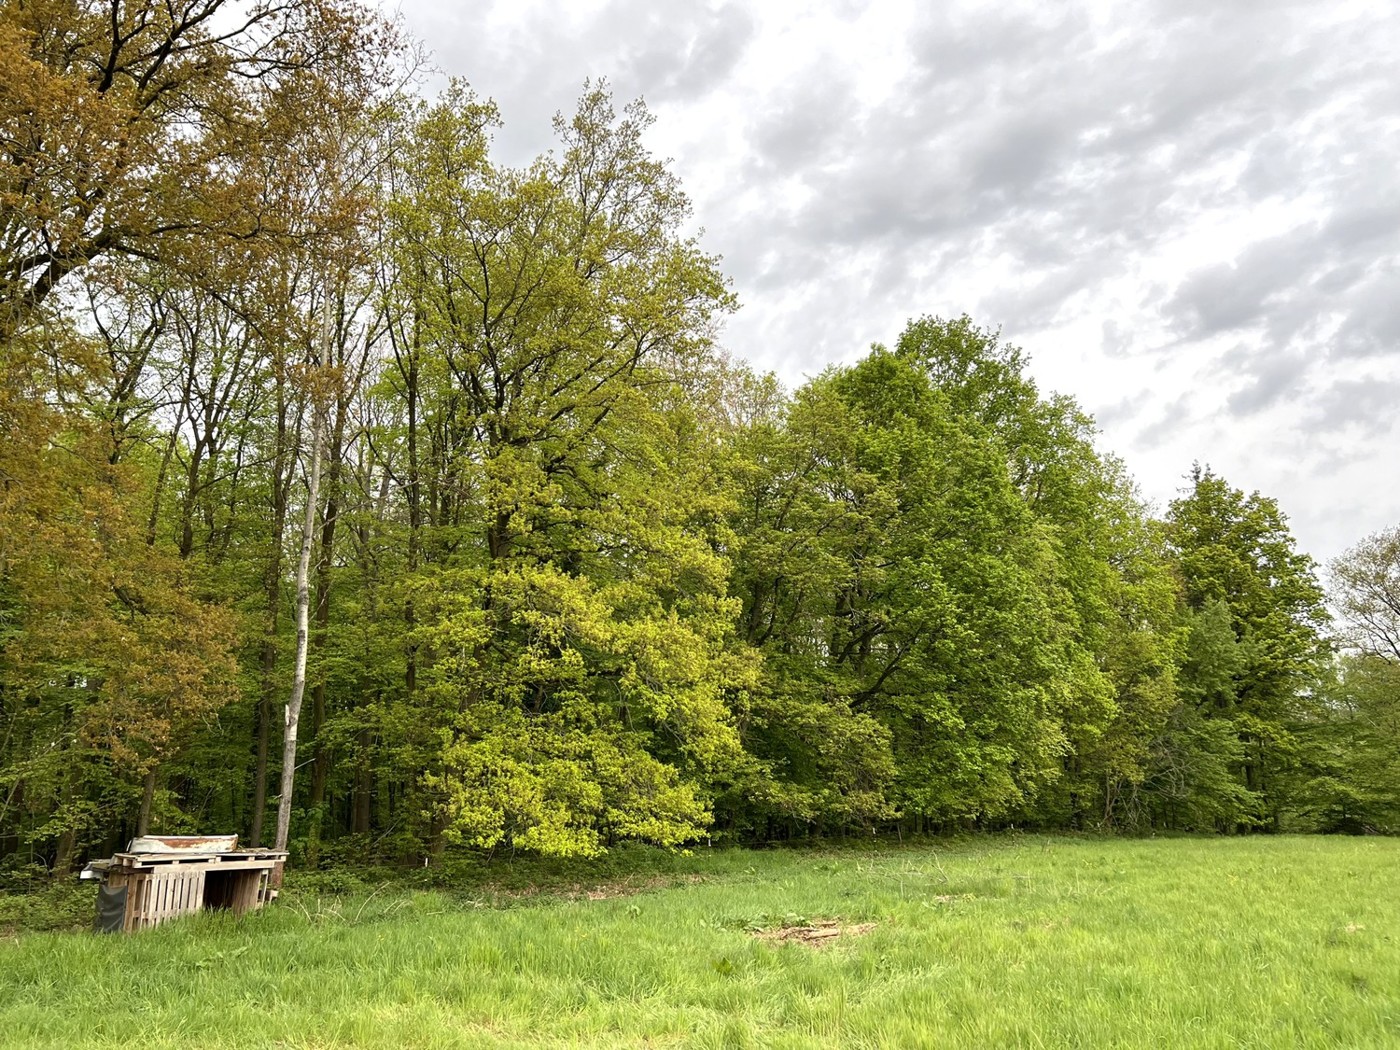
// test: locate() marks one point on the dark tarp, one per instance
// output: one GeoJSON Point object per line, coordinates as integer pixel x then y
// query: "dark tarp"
{"type": "Point", "coordinates": [111, 908]}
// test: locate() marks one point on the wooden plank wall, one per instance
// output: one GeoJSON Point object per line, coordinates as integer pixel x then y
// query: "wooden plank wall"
{"type": "Point", "coordinates": [246, 896]}
{"type": "Point", "coordinates": [166, 891]}
{"type": "Point", "coordinates": [157, 896]}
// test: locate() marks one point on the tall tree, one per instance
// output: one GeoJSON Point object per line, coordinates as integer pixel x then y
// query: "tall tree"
{"type": "Point", "coordinates": [1352, 770]}
{"type": "Point", "coordinates": [1237, 551]}
{"type": "Point", "coordinates": [578, 633]}
{"type": "Point", "coordinates": [1366, 588]}
{"type": "Point", "coordinates": [109, 660]}
{"type": "Point", "coordinates": [127, 125]}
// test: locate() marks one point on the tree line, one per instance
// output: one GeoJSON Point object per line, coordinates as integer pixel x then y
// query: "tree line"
{"type": "Point", "coordinates": [361, 491]}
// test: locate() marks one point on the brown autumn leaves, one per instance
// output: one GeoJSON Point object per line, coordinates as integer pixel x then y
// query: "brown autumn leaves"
{"type": "Point", "coordinates": [190, 139]}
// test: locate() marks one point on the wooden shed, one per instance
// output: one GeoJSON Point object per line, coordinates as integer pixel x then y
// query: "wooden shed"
{"type": "Point", "coordinates": [142, 888]}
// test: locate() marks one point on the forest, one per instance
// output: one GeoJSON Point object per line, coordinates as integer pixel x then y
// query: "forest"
{"type": "Point", "coordinates": [362, 493]}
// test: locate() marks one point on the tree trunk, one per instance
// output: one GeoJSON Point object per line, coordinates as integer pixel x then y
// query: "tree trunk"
{"type": "Point", "coordinates": [148, 795]}
{"type": "Point", "coordinates": [308, 530]}
{"type": "Point", "coordinates": [63, 860]}
{"type": "Point", "coordinates": [272, 582]}
{"type": "Point", "coordinates": [415, 510]}
{"type": "Point", "coordinates": [67, 838]}
{"type": "Point", "coordinates": [320, 769]}
{"type": "Point", "coordinates": [154, 520]}
{"type": "Point", "coordinates": [10, 840]}
{"type": "Point", "coordinates": [364, 787]}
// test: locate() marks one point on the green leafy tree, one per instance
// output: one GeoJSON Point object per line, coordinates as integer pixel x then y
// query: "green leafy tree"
{"type": "Point", "coordinates": [1351, 775]}
{"type": "Point", "coordinates": [1366, 587]}
{"type": "Point", "coordinates": [904, 594]}
{"type": "Point", "coordinates": [1111, 601]}
{"type": "Point", "coordinates": [825, 759]}
{"type": "Point", "coordinates": [110, 662]}
{"type": "Point", "coordinates": [1190, 772]}
{"type": "Point", "coordinates": [579, 662]}
{"type": "Point", "coordinates": [1235, 551]}
{"type": "Point", "coordinates": [137, 128]}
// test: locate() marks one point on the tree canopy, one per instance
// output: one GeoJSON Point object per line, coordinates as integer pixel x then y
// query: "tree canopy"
{"type": "Point", "coordinates": [304, 394]}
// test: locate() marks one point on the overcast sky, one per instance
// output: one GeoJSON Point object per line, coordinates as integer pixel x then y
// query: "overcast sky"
{"type": "Point", "coordinates": [1186, 211]}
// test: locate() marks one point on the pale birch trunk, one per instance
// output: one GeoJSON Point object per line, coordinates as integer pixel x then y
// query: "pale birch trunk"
{"type": "Point", "coordinates": [308, 529]}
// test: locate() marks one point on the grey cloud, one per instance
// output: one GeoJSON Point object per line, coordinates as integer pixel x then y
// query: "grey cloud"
{"type": "Point", "coordinates": [1355, 407]}
{"type": "Point", "coordinates": [685, 58]}
{"type": "Point", "coordinates": [1116, 341]}
{"type": "Point", "coordinates": [1291, 290]}
{"type": "Point", "coordinates": [1172, 419]}
{"type": "Point", "coordinates": [536, 67]}
{"type": "Point", "coordinates": [1362, 223]}
{"type": "Point", "coordinates": [952, 47]}
{"type": "Point", "coordinates": [806, 125]}
{"type": "Point", "coordinates": [1004, 119]}
{"type": "Point", "coordinates": [1372, 326]}
{"type": "Point", "coordinates": [1035, 142]}
{"type": "Point", "coordinates": [1123, 411]}
{"type": "Point", "coordinates": [1229, 296]}
{"type": "Point", "coordinates": [1036, 304]}
{"type": "Point", "coordinates": [1271, 380]}
{"type": "Point", "coordinates": [1276, 159]}
{"type": "Point", "coordinates": [1026, 150]}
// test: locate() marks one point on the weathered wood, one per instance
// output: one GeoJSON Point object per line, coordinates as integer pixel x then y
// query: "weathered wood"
{"type": "Point", "coordinates": [197, 845]}
{"type": "Point", "coordinates": [136, 898]}
{"type": "Point", "coordinates": [165, 886]}
{"type": "Point", "coordinates": [149, 862]}
{"type": "Point", "coordinates": [245, 892]}
{"type": "Point", "coordinates": [236, 865]}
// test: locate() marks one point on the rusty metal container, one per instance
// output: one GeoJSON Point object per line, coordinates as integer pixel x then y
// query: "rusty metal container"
{"type": "Point", "coordinates": [183, 844]}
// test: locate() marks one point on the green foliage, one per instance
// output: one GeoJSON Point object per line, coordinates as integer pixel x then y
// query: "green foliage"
{"type": "Point", "coordinates": [1257, 649]}
{"type": "Point", "coordinates": [576, 643]}
{"type": "Point", "coordinates": [578, 580]}
{"type": "Point", "coordinates": [47, 905]}
{"type": "Point", "coordinates": [1350, 747]}
{"type": "Point", "coordinates": [1366, 582]}
{"type": "Point", "coordinates": [1192, 777]}
{"type": "Point", "coordinates": [927, 543]}
{"type": "Point", "coordinates": [1350, 780]}
{"type": "Point", "coordinates": [554, 784]}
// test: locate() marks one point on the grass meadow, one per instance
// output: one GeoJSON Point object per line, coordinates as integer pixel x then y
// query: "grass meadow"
{"type": "Point", "coordinates": [997, 942]}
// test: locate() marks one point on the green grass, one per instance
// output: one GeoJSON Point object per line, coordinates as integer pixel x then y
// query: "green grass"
{"type": "Point", "coordinates": [1252, 942]}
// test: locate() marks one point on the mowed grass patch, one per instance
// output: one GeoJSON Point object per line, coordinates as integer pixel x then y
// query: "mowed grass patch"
{"type": "Point", "coordinates": [1252, 942]}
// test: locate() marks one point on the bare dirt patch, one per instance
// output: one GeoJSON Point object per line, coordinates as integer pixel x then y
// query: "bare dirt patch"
{"type": "Point", "coordinates": [817, 934]}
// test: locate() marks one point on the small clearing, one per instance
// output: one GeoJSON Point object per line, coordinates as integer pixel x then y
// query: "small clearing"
{"type": "Point", "coordinates": [818, 934]}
